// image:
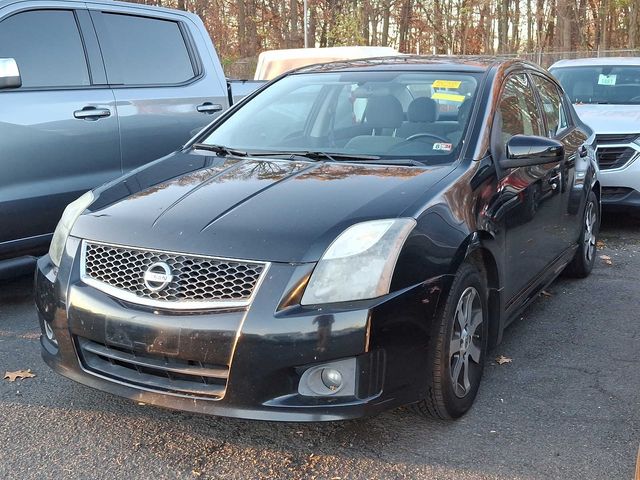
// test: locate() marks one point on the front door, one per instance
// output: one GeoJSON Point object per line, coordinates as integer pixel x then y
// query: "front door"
{"type": "Point", "coordinates": [559, 127]}
{"type": "Point", "coordinates": [58, 132]}
{"type": "Point", "coordinates": [530, 195]}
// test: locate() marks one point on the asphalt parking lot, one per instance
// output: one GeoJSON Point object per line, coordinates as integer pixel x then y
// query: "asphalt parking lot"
{"type": "Point", "coordinates": [567, 406]}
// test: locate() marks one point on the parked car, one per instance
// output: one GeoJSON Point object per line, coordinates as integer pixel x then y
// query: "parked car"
{"type": "Point", "coordinates": [606, 94]}
{"type": "Point", "coordinates": [90, 90]}
{"type": "Point", "coordinates": [321, 266]}
{"type": "Point", "coordinates": [276, 62]}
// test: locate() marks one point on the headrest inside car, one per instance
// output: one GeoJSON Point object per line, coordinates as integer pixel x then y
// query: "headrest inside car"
{"type": "Point", "coordinates": [422, 110]}
{"type": "Point", "coordinates": [384, 112]}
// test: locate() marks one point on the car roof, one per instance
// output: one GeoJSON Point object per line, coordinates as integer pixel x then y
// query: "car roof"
{"type": "Point", "coordinates": [82, 3]}
{"type": "Point", "coordinates": [416, 63]}
{"type": "Point", "coordinates": [597, 61]}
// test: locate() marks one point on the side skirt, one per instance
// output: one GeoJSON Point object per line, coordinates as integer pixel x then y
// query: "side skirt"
{"type": "Point", "coordinates": [521, 301]}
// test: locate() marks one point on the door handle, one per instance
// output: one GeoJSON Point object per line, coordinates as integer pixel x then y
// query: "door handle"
{"type": "Point", "coordinates": [91, 113]}
{"type": "Point", "coordinates": [555, 181]}
{"type": "Point", "coordinates": [208, 107]}
{"type": "Point", "coordinates": [582, 151]}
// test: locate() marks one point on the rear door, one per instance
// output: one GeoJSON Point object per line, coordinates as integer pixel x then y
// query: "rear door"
{"type": "Point", "coordinates": [59, 131]}
{"type": "Point", "coordinates": [530, 195]}
{"type": "Point", "coordinates": [164, 89]}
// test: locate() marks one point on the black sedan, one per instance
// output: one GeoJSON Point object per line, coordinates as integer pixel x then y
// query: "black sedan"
{"type": "Point", "coordinates": [353, 237]}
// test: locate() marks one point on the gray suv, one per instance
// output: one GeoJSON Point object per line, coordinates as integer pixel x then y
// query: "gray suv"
{"type": "Point", "coordinates": [88, 91]}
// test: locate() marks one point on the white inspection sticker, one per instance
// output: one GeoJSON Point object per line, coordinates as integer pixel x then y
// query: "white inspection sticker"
{"type": "Point", "coordinates": [447, 147]}
{"type": "Point", "coordinates": [606, 79]}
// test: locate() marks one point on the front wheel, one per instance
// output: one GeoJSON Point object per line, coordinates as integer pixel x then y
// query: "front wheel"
{"type": "Point", "coordinates": [585, 256]}
{"type": "Point", "coordinates": [457, 348]}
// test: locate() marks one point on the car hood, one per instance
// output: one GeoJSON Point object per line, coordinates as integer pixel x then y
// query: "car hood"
{"type": "Point", "coordinates": [606, 119]}
{"type": "Point", "coordinates": [270, 210]}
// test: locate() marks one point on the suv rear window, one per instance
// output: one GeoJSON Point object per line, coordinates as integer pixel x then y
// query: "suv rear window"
{"type": "Point", "coordinates": [143, 50]}
{"type": "Point", "coordinates": [47, 47]}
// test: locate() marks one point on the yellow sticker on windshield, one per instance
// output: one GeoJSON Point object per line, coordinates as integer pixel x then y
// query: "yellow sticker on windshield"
{"type": "Point", "coordinates": [448, 96]}
{"type": "Point", "coordinates": [447, 84]}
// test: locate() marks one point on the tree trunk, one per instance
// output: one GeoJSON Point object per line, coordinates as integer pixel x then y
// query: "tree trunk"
{"type": "Point", "coordinates": [293, 22]}
{"type": "Point", "coordinates": [386, 13]}
{"type": "Point", "coordinates": [242, 26]}
{"type": "Point", "coordinates": [313, 25]}
{"type": "Point", "coordinates": [634, 18]}
{"type": "Point", "coordinates": [405, 25]}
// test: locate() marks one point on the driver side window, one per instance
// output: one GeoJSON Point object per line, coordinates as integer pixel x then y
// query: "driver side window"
{"type": "Point", "coordinates": [552, 106]}
{"type": "Point", "coordinates": [518, 109]}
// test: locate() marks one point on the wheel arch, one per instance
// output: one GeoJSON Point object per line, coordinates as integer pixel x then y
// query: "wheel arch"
{"type": "Point", "coordinates": [597, 189]}
{"type": "Point", "coordinates": [475, 249]}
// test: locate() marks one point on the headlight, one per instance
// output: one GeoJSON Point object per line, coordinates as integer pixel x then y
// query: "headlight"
{"type": "Point", "coordinates": [69, 217]}
{"type": "Point", "coordinates": [359, 263]}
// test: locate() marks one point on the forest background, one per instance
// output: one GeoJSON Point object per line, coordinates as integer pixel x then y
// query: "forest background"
{"type": "Point", "coordinates": [540, 30]}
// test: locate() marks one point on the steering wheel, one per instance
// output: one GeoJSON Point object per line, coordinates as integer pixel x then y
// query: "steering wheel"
{"type": "Point", "coordinates": [425, 135]}
{"type": "Point", "coordinates": [635, 99]}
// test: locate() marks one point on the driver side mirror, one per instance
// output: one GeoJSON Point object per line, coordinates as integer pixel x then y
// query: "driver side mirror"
{"type": "Point", "coordinates": [526, 150]}
{"type": "Point", "coordinates": [9, 74]}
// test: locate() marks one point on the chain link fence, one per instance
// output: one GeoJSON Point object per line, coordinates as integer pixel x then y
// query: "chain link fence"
{"type": "Point", "coordinates": [241, 69]}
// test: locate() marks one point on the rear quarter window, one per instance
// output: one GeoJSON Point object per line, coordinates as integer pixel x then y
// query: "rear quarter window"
{"type": "Point", "coordinates": [143, 50]}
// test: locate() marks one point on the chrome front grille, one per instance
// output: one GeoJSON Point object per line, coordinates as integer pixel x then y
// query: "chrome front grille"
{"type": "Point", "coordinates": [616, 150]}
{"type": "Point", "coordinates": [192, 281]}
{"type": "Point", "coordinates": [610, 157]}
{"type": "Point", "coordinates": [616, 138]}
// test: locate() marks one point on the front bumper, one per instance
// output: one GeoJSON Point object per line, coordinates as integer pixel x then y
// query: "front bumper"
{"type": "Point", "coordinates": [614, 198]}
{"type": "Point", "coordinates": [260, 352]}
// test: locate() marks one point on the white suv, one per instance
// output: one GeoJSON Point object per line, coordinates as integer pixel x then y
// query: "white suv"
{"type": "Point", "coordinates": [606, 95]}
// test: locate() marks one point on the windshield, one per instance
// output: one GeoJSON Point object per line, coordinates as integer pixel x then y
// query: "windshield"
{"type": "Point", "coordinates": [385, 115]}
{"type": "Point", "coordinates": [601, 84]}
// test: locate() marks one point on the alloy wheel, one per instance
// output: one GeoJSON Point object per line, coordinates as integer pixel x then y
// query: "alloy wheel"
{"type": "Point", "coordinates": [465, 348]}
{"type": "Point", "coordinates": [591, 219]}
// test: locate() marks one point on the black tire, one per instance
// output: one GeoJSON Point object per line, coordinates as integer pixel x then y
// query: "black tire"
{"type": "Point", "coordinates": [585, 257]}
{"type": "Point", "coordinates": [446, 398]}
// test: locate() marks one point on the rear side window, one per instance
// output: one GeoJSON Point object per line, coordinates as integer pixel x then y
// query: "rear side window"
{"type": "Point", "coordinates": [519, 110]}
{"type": "Point", "coordinates": [552, 107]}
{"type": "Point", "coordinates": [143, 51]}
{"type": "Point", "coordinates": [47, 47]}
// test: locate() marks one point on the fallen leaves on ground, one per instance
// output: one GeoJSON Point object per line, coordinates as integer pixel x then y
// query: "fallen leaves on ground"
{"type": "Point", "coordinates": [606, 259]}
{"type": "Point", "coordinates": [600, 244]}
{"type": "Point", "coordinates": [501, 360]}
{"type": "Point", "coordinates": [12, 376]}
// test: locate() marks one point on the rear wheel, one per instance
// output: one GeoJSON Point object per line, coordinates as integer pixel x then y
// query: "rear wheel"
{"type": "Point", "coordinates": [457, 348]}
{"type": "Point", "coordinates": [585, 256]}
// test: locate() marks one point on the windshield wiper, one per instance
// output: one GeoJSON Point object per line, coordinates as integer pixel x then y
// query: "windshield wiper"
{"type": "Point", "coordinates": [219, 149]}
{"type": "Point", "coordinates": [370, 159]}
{"type": "Point", "coordinates": [399, 161]}
{"type": "Point", "coordinates": [318, 155]}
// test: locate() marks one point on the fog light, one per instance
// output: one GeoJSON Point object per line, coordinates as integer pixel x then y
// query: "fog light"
{"type": "Point", "coordinates": [332, 379]}
{"type": "Point", "coordinates": [49, 333]}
